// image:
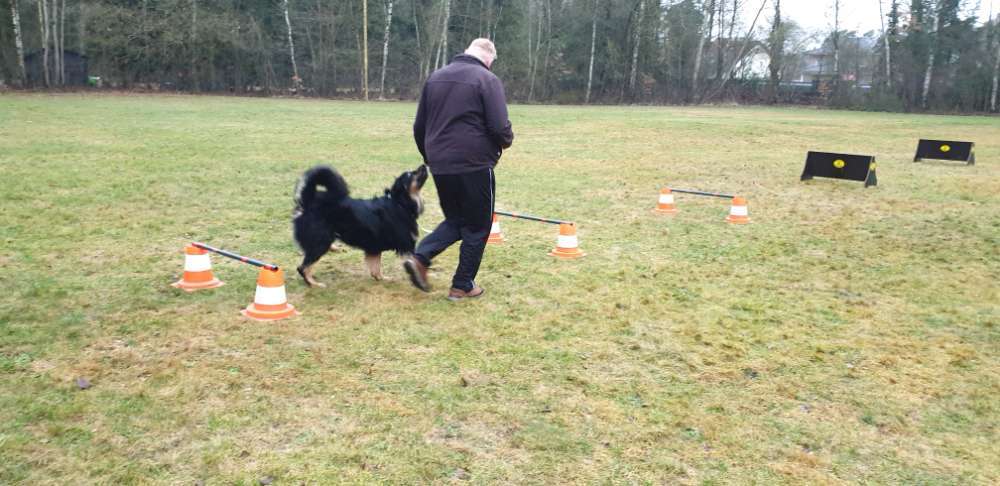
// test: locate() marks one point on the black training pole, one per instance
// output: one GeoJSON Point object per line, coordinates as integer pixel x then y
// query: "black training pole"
{"type": "Point", "coordinates": [700, 193]}
{"type": "Point", "coordinates": [251, 261]}
{"type": "Point", "coordinates": [531, 218]}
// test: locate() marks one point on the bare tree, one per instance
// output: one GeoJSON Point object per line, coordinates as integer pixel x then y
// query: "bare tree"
{"type": "Point", "coordinates": [888, 49]}
{"type": "Point", "coordinates": [836, 41]}
{"type": "Point", "coordinates": [635, 48]}
{"type": "Point", "coordinates": [739, 54]}
{"type": "Point", "coordinates": [442, 52]}
{"type": "Point", "coordinates": [777, 51]}
{"type": "Point", "coordinates": [936, 12]}
{"type": "Point", "coordinates": [364, 47]}
{"type": "Point", "coordinates": [296, 80]}
{"type": "Point", "coordinates": [43, 21]}
{"type": "Point", "coordinates": [996, 69]}
{"type": "Point", "coordinates": [15, 16]}
{"type": "Point", "coordinates": [61, 47]}
{"type": "Point", "coordinates": [593, 42]}
{"type": "Point", "coordinates": [533, 56]}
{"type": "Point", "coordinates": [385, 47]}
{"type": "Point", "coordinates": [194, 39]}
{"type": "Point", "coordinates": [701, 44]}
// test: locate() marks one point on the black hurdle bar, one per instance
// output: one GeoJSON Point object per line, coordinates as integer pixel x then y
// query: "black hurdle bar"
{"type": "Point", "coordinates": [700, 193]}
{"type": "Point", "coordinates": [241, 258]}
{"type": "Point", "coordinates": [531, 218]}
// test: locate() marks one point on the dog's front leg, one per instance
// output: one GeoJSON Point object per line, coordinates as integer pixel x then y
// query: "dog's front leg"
{"type": "Point", "coordinates": [374, 262]}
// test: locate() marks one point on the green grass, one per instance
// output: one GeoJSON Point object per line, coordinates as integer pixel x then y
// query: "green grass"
{"type": "Point", "coordinates": [846, 335]}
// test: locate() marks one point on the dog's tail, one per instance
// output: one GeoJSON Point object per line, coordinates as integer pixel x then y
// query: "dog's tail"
{"type": "Point", "coordinates": [319, 176]}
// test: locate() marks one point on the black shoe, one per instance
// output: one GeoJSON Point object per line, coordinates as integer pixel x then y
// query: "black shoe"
{"type": "Point", "coordinates": [418, 274]}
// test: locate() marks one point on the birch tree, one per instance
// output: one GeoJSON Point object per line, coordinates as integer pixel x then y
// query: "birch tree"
{"type": "Point", "coordinates": [385, 47]}
{"type": "Point", "coordinates": [442, 51]}
{"type": "Point", "coordinates": [635, 48]}
{"type": "Point", "coordinates": [296, 80]}
{"type": "Point", "coordinates": [364, 47]}
{"type": "Point", "coordinates": [996, 69]}
{"type": "Point", "coordinates": [15, 17]}
{"type": "Point", "coordinates": [936, 12]}
{"type": "Point", "coordinates": [701, 45]}
{"type": "Point", "coordinates": [43, 20]}
{"type": "Point", "coordinates": [593, 43]}
{"type": "Point", "coordinates": [61, 42]}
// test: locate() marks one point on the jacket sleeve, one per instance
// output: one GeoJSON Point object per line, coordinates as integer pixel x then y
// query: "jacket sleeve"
{"type": "Point", "coordinates": [420, 124]}
{"type": "Point", "coordinates": [495, 105]}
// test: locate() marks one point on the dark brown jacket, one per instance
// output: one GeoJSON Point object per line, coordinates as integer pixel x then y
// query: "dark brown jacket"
{"type": "Point", "coordinates": [462, 123]}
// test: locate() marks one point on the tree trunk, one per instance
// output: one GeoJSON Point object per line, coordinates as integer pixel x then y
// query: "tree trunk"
{"type": "Point", "coordinates": [533, 61]}
{"type": "Point", "coordinates": [442, 57]}
{"type": "Point", "coordinates": [930, 57]}
{"type": "Point", "coordinates": [296, 80]}
{"type": "Point", "coordinates": [836, 41]}
{"type": "Point", "coordinates": [496, 24]}
{"type": "Point", "coordinates": [635, 49]}
{"type": "Point", "coordinates": [996, 72]}
{"type": "Point", "coordinates": [18, 42]}
{"type": "Point", "coordinates": [593, 43]}
{"type": "Point", "coordinates": [385, 48]}
{"type": "Point", "coordinates": [315, 58]}
{"type": "Point", "coordinates": [194, 40]}
{"type": "Point", "coordinates": [548, 46]}
{"type": "Point", "coordinates": [720, 37]}
{"type": "Point", "coordinates": [364, 48]}
{"type": "Point", "coordinates": [62, 43]}
{"type": "Point", "coordinates": [777, 52]}
{"type": "Point", "coordinates": [701, 47]}
{"type": "Point", "coordinates": [54, 32]}
{"type": "Point", "coordinates": [888, 50]}
{"type": "Point", "coordinates": [420, 50]}
{"type": "Point", "coordinates": [43, 19]}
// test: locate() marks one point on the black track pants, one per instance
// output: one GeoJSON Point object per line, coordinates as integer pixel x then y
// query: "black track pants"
{"type": "Point", "coordinates": [467, 202]}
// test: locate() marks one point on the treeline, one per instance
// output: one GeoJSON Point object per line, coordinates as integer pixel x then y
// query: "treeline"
{"type": "Point", "coordinates": [929, 55]}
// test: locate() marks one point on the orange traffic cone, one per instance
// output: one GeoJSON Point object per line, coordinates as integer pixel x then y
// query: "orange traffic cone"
{"type": "Point", "coordinates": [567, 245]}
{"type": "Point", "coordinates": [269, 302]}
{"type": "Point", "coordinates": [197, 271]}
{"type": "Point", "coordinates": [496, 236]}
{"type": "Point", "coordinates": [666, 202]}
{"type": "Point", "coordinates": [739, 214]}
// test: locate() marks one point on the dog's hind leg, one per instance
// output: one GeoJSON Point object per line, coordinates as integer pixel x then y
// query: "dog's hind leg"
{"type": "Point", "coordinates": [312, 255]}
{"type": "Point", "coordinates": [374, 263]}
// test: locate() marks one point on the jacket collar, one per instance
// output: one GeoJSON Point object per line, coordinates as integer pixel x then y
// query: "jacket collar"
{"type": "Point", "coordinates": [467, 59]}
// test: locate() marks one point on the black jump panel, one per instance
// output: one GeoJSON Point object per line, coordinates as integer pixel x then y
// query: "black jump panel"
{"type": "Point", "coordinates": [841, 166]}
{"type": "Point", "coordinates": [946, 150]}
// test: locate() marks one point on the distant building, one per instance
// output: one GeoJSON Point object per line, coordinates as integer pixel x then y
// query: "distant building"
{"type": "Point", "coordinates": [755, 64]}
{"type": "Point", "coordinates": [75, 63]}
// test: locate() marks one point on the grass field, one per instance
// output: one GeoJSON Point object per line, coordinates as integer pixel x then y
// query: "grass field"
{"type": "Point", "coordinates": [846, 335]}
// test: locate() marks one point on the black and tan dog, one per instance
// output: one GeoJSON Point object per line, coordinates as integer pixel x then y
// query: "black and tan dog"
{"type": "Point", "coordinates": [325, 213]}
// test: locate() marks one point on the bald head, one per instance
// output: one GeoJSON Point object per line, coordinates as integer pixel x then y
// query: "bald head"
{"type": "Point", "coordinates": [484, 50]}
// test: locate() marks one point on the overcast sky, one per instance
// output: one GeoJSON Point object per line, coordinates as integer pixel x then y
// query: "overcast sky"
{"type": "Point", "coordinates": [860, 15]}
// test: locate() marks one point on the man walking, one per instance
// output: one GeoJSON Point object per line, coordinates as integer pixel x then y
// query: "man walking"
{"type": "Point", "coordinates": [461, 129]}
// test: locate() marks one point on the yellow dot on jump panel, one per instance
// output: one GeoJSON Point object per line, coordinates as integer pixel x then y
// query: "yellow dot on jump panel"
{"type": "Point", "coordinates": [839, 163]}
{"type": "Point", "coordinates": [871, 166]}
{"type": "Point", "coordinates": [946, 148]}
